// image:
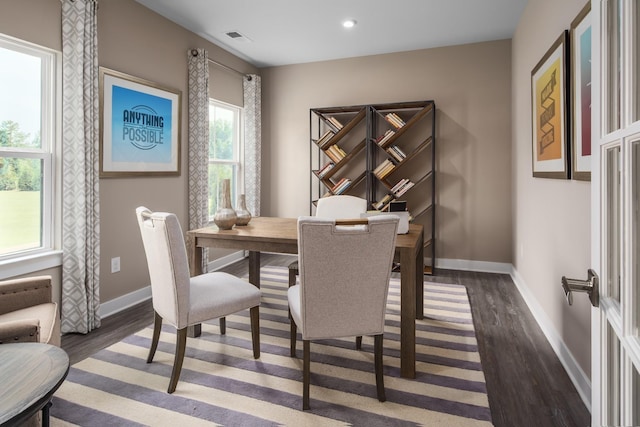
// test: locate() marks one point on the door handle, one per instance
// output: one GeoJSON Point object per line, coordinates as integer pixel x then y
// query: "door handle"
{"type": "Point", "coordinates": [590, 286]}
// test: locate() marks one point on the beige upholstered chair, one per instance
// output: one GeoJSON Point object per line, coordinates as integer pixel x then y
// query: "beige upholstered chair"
{"type": "Point", "coordinates": [344, 279]}
{"type": "Point", "coordinates": [183, 301]}
{"type": "Point", "coordinates": [341, 206]}
{"type": "Point", "coordinates": [27, 311]}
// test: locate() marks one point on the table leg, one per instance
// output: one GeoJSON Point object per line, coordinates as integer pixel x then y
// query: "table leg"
{"type": "Point", "coordinates": [45, 414]}
{"type": "Point", "coordinates": [254, 268]}
{"type": "Point", "coordinates": [420, 283]}
{"type": "Point", "coordinates": [408, 313]}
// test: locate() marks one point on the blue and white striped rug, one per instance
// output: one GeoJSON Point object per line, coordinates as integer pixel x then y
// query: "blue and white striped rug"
{"type": "Point", "coordinates": [221, 383]}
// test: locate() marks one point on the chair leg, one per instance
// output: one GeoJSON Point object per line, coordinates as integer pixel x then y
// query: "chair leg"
{"type": "Point", "coordinates": [292, 276]}
{"type": "Point", "coordinates": [359, 342]}
{"type": "Point", "coordinates": [306, 374]}
{"type": "Point", "coordinates": [292, 336]}
{"type": "Point", "coordinates": [181, 344]}
{"type": "Point", "coordinates": [255, 330]}
{"type": "Point", "coordinates": [377, 350]}
{"type": "Point", "coordinates": [223, 325]}
{"type": "Point", "coordinates": [157, 326]}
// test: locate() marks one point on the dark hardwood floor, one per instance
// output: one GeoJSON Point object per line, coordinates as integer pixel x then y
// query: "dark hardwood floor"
{"type": "Point", "coordinates": [526, 383]}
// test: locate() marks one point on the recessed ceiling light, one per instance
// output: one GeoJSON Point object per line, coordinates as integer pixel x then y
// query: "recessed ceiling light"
{"type": "Point", "coordinates": [349, 23]}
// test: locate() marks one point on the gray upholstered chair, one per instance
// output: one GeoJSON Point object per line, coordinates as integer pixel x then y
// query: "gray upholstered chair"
{"type": "Point", "coordinates": [27, 311]}
{"type": "Point", "coordinates": [184, 301]}
{"type": "Point", "coordinates": [341, 206]}
{"type": "Point", "coordinates": [344, 279]}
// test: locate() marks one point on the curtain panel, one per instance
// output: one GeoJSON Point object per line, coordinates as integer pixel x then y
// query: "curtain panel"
{"type": "Point", "coordinates": [80, 168]}
{"type": "Point", "coordinates": [252, 91]}
{"type": "Point", "coordinates": [198, 67]}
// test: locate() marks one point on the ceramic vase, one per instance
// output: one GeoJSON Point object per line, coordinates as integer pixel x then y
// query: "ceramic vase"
{"type": "Point", "coordinates": [244, 216]}
{"type": "Point", "coordinates": [225, 217]}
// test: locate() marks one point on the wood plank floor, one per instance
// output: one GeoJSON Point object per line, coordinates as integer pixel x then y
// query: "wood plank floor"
{"type": "Point", "coordinates": [526, 383]}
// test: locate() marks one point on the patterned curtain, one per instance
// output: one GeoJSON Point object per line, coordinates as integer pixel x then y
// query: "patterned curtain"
{"type": "Point", "coordinates": [80, 135]}
{"type": "Point", "coordinates": [199, 142]}
{"type": "Point", "coordinates": [252, 141]}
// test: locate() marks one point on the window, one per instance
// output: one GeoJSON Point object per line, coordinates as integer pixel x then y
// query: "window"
{"type": "Point", "coordinates": [225, 151]}
{"type": "Point", "coordinates": [28, 87]}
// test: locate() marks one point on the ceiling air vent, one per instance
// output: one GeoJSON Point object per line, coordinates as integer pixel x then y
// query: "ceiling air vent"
{"type": "Point", "coordinates": [237, 36]}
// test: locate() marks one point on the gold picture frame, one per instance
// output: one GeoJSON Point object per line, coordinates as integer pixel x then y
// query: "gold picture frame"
{"type": "Point", "coordinates": [549, 101]}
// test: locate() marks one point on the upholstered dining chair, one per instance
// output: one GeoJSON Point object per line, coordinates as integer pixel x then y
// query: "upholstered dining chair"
{"type": "Point", "coordinates": [341, 206]}
{"type": "Point", "coordinates": [181, 300]}
{"type": "Point", "coordinates": [344, 279]}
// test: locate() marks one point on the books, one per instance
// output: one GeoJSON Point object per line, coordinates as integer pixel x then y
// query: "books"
{"type": "Point", "coordinates": [380, 205]}
{"type": "Point", "coordinates": [402, 187]}
{"type": "Point", "coordinates": [396, 153]}
{"type": "Point", "coordinates": [384, 169]}
{"type": "Point", "coordinates": [326, 168]}
{"type": "Point", "coordinates": [334, 122]}
{"type": "Point", "coordinates": [341, 186]}
{"type": "Point", "coordinates": [395, 120]}
{"type": "Point", "coordinates": [335, 153]}
{"type": "Point", "coordinates": [325, 138]}
{"type": "Point", "coordinates": [385, 137]}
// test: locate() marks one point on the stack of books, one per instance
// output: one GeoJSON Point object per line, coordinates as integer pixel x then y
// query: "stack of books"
{"type": "Point", "coordinates": [341, 186]}
{"type": "Point", "coordinates": [383, 202]}
{"type": "Point", "coordinates": [335, 153]}
{"type": "Point", "coordinates": [334, 122]}
{"type": "Point", "coordinates": [326, 168]}
{"type": "Point", "coordinates": [384, 169]}
{"type": "Point", "coordinates": [402, 187]}
{"type": "Point", "coordinates": [325, 138]}
{"type": "Point", "coordinates": [385, 137]}
{"type": "Point", "coordinates": [395, 120]}
{"type": "Point", "coordinates": [396, 153]}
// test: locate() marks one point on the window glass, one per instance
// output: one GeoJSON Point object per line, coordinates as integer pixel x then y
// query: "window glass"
{"type": "Point", "coordinates": [224, 151]}
{"type": "Point", "coordinates": [27, 93]}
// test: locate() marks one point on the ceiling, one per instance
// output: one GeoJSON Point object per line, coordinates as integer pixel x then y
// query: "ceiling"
{"type": "Point", "coordinates": [281, 32]}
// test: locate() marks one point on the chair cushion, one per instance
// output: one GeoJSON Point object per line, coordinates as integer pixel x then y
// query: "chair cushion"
{"type": "Point", "coordinates": [230, 294]}
{"type": "Point", "coordinates": [46, 313]}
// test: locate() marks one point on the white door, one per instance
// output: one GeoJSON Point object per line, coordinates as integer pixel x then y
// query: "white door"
{"type": "Point", "coordinates": [615, 183]}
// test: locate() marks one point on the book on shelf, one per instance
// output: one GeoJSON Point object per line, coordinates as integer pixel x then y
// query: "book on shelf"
{"type": "Point", "coordinates": [394, 150]}
{"type": "Point", "coordinates": [395, 120]}
{"type": "Point", "coordinates": [385, 137]}
{"type": "Point", "coordinates": [403, 188]}
{"type": "Point", "coordinates": [341, 185]}
{"type": "Point", "coordinates": [325, 138]}
{"type": "Point", "coordinates": [387, 168]}
{"type": "Point", "coordinates": [399, 184]}
{"type": "Point", "coordinates": [337, 153]}
{"type": "Point", "coordinates": [326, 168]}
{"type": "Point", "coordinates": [380, 205]}
{"type": "Point", "coordinates": [335, 122]}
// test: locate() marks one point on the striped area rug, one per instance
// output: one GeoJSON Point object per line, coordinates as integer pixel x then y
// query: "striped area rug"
{"type": "Point", "coordinates": [221, 384]}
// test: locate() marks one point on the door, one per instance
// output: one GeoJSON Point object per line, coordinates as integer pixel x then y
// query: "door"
{"type": "Point", "coordinates": [615, 230]}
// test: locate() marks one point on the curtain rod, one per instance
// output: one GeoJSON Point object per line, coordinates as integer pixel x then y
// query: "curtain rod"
{"type": "Point", "coordinates": [194, 52]}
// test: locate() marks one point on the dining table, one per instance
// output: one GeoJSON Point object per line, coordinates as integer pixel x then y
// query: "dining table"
{"type": "Point", "coordinates": [280, 235]}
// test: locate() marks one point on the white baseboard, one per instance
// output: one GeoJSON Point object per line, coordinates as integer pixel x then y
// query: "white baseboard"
{"type": "Point", "coordinates": [575, 372]}
{"type": "Point", "coordinates": [469, 265]}
{"type": "Point", "coordinates": [116, 305]}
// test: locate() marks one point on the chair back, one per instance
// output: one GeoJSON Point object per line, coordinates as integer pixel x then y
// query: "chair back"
{"type": "Point", "coordinates": [344, 275]}
{"type": "Point", "coordinates": [168, 264]}
{"type": "Point", "coordinates": [340, 207]}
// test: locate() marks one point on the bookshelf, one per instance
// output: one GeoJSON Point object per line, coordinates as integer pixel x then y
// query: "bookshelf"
{"type": "Point", "coordinates": [383, 152]}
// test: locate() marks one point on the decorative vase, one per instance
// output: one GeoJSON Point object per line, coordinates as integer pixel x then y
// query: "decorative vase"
{"type": "Point", "coordinates": [244, 216]}
{"type": "Point", "coordinates": [225, 217]}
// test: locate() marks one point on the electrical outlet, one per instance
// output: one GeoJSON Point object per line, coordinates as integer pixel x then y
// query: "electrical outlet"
{"type": "Point", "coordinates": [115, 264]}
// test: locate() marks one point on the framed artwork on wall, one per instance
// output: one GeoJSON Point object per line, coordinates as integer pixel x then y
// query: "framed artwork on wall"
{"type": "Point", "coordinates": [550, 157]}
{"type": "Point", "coordinates": [139, 127]}
{"type": "Point", "coordinates": [580, 37]}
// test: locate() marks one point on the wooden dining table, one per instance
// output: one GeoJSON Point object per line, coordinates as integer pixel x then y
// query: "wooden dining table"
{"type": "Point", "coordinates": [280, 235]}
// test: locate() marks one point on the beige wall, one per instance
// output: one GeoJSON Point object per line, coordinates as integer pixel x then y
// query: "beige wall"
{"type": "Point", "coordinates": [471, 86]}
{"type": "Point", "coordinates": [551, 217]}
{"type": "Point", "coordinates": [133, 40]}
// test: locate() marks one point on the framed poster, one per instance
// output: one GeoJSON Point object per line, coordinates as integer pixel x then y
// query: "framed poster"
{"type": "Point", "coordinates": [139, 127]}
{"type": "Point", "coordinates": [580, 37]}
{"type": "Point", "coordinates": [549, 113]}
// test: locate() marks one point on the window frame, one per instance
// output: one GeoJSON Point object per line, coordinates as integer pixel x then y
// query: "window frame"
{"type": "Point", "coordinates": [238, 161]}
{"type": "Point", "coordinates": [48, 254]}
